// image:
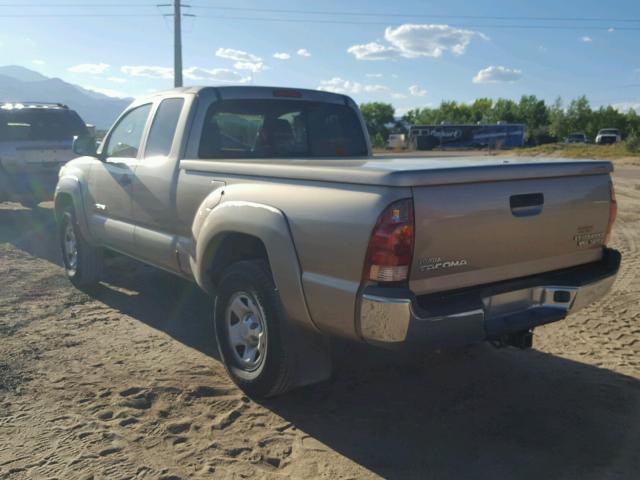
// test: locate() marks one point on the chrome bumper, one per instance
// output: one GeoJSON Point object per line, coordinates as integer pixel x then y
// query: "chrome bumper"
{"type": "Point", "coordinates": [399, 318]}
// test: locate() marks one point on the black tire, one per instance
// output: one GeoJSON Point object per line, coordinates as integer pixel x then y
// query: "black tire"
{"type": "Point", "coordinates": [272, 375]}
{"type": "Point", "coordinates": [86, 271]}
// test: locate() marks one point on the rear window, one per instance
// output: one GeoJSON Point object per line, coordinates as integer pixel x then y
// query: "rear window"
{"type": "Point", "coordinates": [281, 128]}
{"type": "Point", "coordinates": [40, 124]}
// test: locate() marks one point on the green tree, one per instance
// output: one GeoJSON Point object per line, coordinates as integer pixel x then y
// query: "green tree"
{"type": "Point", "coordinates": [377, 116]}
{"type": "Point", "coordinates": [535, 115]}
{"type": "Point", "coordinates": [558, 124]}
{"type": "Point", "coordinates": [580, 115]}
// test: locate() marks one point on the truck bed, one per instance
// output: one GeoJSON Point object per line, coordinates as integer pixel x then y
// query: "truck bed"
{"type": "Point", "coordinates": [406, 171]}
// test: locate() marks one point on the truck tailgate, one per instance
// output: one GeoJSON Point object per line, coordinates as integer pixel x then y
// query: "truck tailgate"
{"type": "Point", "coordinates": [477, 233]}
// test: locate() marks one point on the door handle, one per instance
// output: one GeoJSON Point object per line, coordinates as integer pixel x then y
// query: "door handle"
{"type": "Point", "coordinates": [527, 204]}
{"type": "Point", "coordinates": [125, 180]}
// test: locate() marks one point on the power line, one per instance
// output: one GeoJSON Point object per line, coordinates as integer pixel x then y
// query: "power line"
{"type": "Point", "coordinates": [419, 15]}
{"type": "Point", "coordinates": [316, 21]}
{"type": "Point", "coordinates": [355, 22]}
{"type": "Point", "coordinates": [45, 15]}
{"type": "Point", "coordinates": [337, 13]}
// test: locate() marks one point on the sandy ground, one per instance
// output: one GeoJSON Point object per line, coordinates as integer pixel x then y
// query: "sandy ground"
{"type": "Point", "coordinates": [125, 384]}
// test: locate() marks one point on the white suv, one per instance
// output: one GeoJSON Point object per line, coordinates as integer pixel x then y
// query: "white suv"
{"type": "Point", "coordinates": [608, 135]}
{"type": "Point", "coordinates": [35, 141]}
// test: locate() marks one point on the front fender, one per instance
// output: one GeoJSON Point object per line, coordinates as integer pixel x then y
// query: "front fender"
{"type": "Point", "coordinates": [266, 223]}
{"type": "Point", "coordinates": [70, 185]}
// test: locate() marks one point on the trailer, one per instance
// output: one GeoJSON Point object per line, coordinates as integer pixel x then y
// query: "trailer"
{"type": "Point", "coordinates": [500, 135]}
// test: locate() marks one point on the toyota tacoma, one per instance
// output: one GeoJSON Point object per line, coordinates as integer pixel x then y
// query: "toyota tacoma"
{"type": "Point", "coordinates": [270, 200]}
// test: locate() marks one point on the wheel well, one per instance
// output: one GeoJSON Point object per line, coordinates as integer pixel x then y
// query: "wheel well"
{"type": "Point", "coordinates": [233, 248]}
{"type": "Point", "coordinates": [63, 200]}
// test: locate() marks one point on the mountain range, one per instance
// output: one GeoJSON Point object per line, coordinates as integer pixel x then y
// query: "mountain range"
{"type": "Point", "coordinates": [20, 84]}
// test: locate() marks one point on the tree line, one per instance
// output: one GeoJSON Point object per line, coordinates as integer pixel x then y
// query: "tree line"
{"type": "Point", "coordinates": [544, 123]}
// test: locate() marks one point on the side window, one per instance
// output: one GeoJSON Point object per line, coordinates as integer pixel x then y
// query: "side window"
{"type": "Point", "coordinates": [163, 128]}
{"type": "Point", "coordinates": [124, 141]}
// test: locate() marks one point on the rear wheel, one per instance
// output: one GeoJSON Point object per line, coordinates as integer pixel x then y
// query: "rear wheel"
{"type": "Point", "coordinates": [250, 326]}
{"type": "Point", "coordinates": [82, 261]}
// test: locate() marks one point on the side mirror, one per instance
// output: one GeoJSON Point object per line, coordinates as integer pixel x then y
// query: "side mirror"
{"type": "Point", "coordinates": [84, 146]}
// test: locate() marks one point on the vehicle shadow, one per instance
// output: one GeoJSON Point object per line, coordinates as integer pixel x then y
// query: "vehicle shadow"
{"type": "Point", "coordinates": [30, 230]}
{"type": "Point", "coordinates": [469, 413]}
{"type": "Point", "coordinates": [473, 413]}
{"type": "Point", "coordinates": [156, 298]}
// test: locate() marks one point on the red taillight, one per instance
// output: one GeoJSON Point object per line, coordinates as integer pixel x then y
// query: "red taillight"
{"type": "Point", "coordinates": [287, 93]}
{"type": "Point", "coordinates": [391, 244]}
{"type": "Point", "coordinates": [613, 213]}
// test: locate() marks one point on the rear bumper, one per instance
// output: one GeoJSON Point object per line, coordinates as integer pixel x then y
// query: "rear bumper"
{"type": "Point", "coordinates": [395, 317]}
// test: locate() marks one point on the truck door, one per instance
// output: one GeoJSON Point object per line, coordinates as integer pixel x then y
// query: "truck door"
{"type": "Point", "coordinates": [157, 229]}
{"type": "Point", "coordinates": [110, 181]}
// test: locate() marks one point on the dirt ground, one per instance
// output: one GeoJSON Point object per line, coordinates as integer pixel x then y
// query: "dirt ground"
{"type": "Point", "coordinates": [126, 384]}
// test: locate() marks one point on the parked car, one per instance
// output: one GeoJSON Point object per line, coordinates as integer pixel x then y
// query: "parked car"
{"type": "Point", "coordinates": [397, 140]}
{"type": "Point", "coordinates": [269, 199]}
{"type": "Point", "coordinates": [35, 140]}
{"type": "Point", "coordinates": [608, 135]}
{"type": "Point", "coordinates": [576, 138]}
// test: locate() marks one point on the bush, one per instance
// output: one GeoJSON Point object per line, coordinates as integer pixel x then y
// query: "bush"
{"type": "Point", "coordinates": [633, 142]}
{"type": "Point", "coordinates": [378, 141]}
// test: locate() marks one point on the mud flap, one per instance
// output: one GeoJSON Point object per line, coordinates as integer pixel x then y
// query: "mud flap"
{"type": "Point", "coordinates": [311, 356]}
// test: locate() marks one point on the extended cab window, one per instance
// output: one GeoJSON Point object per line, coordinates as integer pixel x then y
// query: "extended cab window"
{"type": "Point", "coordinates": [281, 128]}
{"type": "Point", "coordinates": [124, 141]}
{"type": "Point", "coordinates": [163, 128]}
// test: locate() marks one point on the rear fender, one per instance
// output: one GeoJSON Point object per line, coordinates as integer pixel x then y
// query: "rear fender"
{"type": "Point", "coordinates": [265, 223]}
{"type": "Point", "coordinates": [309, 350]}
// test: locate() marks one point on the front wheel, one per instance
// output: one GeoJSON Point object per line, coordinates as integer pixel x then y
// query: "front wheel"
{"type": "Point", "coordinates": [250, 326]}
{"type": "Point", "coordinates": [82, 261]}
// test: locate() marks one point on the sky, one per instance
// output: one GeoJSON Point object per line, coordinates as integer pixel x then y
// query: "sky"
{"type": "Point", "coordinates": [407, 52]}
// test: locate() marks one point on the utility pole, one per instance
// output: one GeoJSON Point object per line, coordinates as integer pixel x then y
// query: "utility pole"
{"type": "Point", "coordinates": [177, 44]}
{"type": "Point", "coordinates": [177, 38]}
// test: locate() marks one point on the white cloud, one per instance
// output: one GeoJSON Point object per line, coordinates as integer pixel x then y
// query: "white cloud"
{"type": "Point", "coordinates": [626, 106]}
{"type": "Point", "coordinates": [497, 74]}
{"type": "Point", "coordinates": [542, 49]}
{"type": "Point", "coordinates": [303, 52]}
{"type": "Point", "coordinates": [117, 79]}
{"type": "Point", "coordinates": [611, 30]}
{"type": "Point", "coordinates": [398, 96]}
{"type": "Point", "coordinates": [147, 71]}
{"type": "Point", "coordinates": [281, 56]}
{"type": "Point", "coordinates": [253, 67]}
{"type": "Point", "coordinates": [372, 51]}
{"type": "Point", "coordinates": [339, 85]}
{"type": "Point", "coordinates": [89, 68]}
{"type": "Point", "coordinates": [373, 75]}
{"type": "Point", "coordinates": [237, 55]}
{"type": "Point", "coordinates": [429, 40]}
{"type": "Point", "coordinates": [37, 61]}
{"type": "Point", "coordinates": [586, 39]}
{"type": "Point", "coordinates": [108, 92]}
{"type": "Point", "coordinates": [416, 91]}
{"type": "Point", "coordinates": [215, 75]}
{"type": "Point", "coordinates": [417, 40]}
{"type": "Point", "coordinates": [192, 73]}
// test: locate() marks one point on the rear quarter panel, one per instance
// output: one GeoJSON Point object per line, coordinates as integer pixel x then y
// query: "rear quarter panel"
{"type": "Point", "coordinates": [330, 225]}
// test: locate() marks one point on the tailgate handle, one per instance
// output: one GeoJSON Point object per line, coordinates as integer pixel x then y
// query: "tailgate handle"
{"type": "Point", "coordinates": [527, 204]}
